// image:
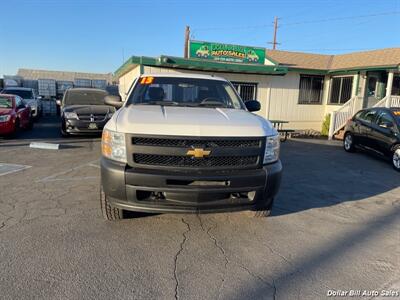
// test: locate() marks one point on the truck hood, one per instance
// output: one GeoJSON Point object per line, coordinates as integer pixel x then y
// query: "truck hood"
{"type": "Point", "coordinates": [189, 121]}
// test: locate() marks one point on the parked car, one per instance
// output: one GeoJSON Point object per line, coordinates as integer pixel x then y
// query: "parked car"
{"type": "Point", "coordinates": [14, 114]}
{"type": "Point", "coordinates": [83, 111]}
{"type": "Point", "coordinates": [376, 129]}
{"type": "Point", "coordinates": [187, 143]}
{"type": "Point", "coordinates": [30, 97]}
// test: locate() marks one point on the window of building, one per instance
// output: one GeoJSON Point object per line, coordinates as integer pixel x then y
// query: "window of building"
{"type": "Point", "coordinates": [247, 91]}
{"type": "Point", "coordinates": [341, 89]}
{"type": "Point", "coordinates": [396, 85]}
{"type": "Point", "coordinates": [310, 89]}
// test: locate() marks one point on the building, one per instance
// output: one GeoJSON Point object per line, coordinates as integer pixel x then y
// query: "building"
{"type": "Point", "coordinates": [31, 74]}
{"type": "Point", "coordinates": [301, 88]}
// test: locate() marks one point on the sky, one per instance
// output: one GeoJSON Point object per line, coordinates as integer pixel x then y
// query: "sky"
{"type": "Point", "coordinates": [98, 35]}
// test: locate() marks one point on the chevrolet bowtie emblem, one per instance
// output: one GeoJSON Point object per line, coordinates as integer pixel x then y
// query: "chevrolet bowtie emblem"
{"type": "Point", "coordinates": [198, 152]}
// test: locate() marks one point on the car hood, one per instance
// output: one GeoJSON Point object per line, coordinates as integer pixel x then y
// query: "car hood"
{"type": "Point", "coordinates": [31, 102]}
{"type": "Point", "coordinates": [89, 109]}
{"type": "Point", "coordinates": [189, 121]}
{"type": "Point", "coordinates": [5, 111]}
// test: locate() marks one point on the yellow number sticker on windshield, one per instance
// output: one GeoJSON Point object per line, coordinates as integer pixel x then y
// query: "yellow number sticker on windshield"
{"type": "Point", "coordinates": [397, 113]}
{"type": "Point", "coordinates": [147, 80]}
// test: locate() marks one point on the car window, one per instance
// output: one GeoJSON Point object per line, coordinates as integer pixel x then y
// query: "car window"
{"type": "Point", "coordinates": [396, 113]}
{"type": "Point", "coordinates": [179, 91]}
{"type": "Point", "coordinates": [82, 97]}
{"type": "Point", "coordinates": [18, 102]}
{"type": "Point", "coordinates": [384, 117]}
{"type": "Point", "coordinates": [369, 116]}
{"type": "Point", "coordinates": [22, 93]}
{"type": "Point", "coordinates": [359, 115]}
{"type": "Point", "coordinates": [5, 102]}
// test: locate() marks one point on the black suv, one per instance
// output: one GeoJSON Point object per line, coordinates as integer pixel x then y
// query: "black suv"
{"type": "Point", "coordinates": [83, 111]}
{"type": "Point", "coordinates": [376, 129]}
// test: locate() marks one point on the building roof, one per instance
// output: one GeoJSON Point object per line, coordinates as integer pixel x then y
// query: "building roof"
{"type": "Point", "coordinates": [186, 75]}
{"type": "Point", "coordinates": [281, 62]}
{"type": "Point", "coordinates": [199, 64]}
{"type": "Point", "coordinates": [300, 60]}
{"type": "Point", "coordinates": [389, 57]}
{"type": "Point", "coordinates": [62, 75]}
{"type": "Point", "coordinates": [375, 58]}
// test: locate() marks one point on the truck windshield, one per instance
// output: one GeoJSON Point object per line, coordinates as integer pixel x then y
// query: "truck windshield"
{"type": "Point", "coordinates": [192, 92]}
{"type": "Point", "coordinates": [84, 97]}
{"type": "Point", "coordinates": [24, 94]}
{"type": "Point", "coordinates": [5, 102]}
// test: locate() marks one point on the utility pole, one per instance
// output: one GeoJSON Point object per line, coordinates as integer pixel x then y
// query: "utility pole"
{"type": "Point", "coordinates": [274, 43]}
{"type": "Point", "coordinates": [186, 47]}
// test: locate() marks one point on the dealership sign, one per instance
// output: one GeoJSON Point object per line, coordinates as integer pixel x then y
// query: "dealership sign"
{"type": "Point", "coordinates": [226, 52]}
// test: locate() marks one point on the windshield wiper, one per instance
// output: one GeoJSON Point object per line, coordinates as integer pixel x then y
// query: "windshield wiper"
{"type": "Point", "coordinates": [162, 103]}
{"type": "Point", "coordinates": [212, 104]}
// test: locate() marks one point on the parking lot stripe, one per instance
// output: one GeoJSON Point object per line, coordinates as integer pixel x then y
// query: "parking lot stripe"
{"type": "Point", "coordinates": [48, 178]}
{"type": "Point", "coordinates": [11, 168]}
{"type": "Point", "coordinates": [71, 179]}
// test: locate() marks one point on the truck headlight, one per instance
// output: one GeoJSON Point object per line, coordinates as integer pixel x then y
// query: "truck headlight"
{"type": "Point", "coordinates": [113, 145]}
{"type": "Point", "coordinates": [272, 148]}
{"type": "Point", "coordinates": [5, 118]}
{"type": "Point", "coordinates": [70, 115]}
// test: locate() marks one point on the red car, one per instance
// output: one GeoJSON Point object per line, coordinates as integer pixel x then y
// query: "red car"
{"type": "Point", "coordinates": [14, 114]}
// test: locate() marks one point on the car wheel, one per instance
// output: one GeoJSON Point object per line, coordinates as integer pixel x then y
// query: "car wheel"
{"type": "Point", "coordinates": [348, 143]}
{"type": "Point", "coordinates": [17, 128]}
{"type": "Point", "coordinates": [109, 213]}
{"type": "Point", "coordinates": [63, 132]}
{"type": "Point", "coordinates": [396, 158]}
{"type": "Point", "coordinates": [30, 124]}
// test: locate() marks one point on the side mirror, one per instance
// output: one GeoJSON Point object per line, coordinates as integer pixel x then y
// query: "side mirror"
{"type": "Point", "coordinates": [253, 105]}
{"type": "Point", "coordinates": [388, 125]}
{"type": "Point", "coordinates": [114, 101]}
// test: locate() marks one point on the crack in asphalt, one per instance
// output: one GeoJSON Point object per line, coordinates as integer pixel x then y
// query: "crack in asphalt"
{"type": "Point", "coordinates": [176, 258]}
{"type": "Point", "coordinates": [278, 254]}
{"type": "Point", "coordinates": [219, 247]}
{"type": "Point", "coordinates": [259, 278]}
{"type": "Point", "coordinates": [227, 261]}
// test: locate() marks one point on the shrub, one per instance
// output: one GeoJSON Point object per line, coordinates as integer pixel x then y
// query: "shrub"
{"type": "Point", "coordinates": [325, 125]}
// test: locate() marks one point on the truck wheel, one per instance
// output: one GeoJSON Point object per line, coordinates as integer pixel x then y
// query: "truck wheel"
{"type": "Point", "coordinates": [262, 211]}
{"type": "Point", "coordinates": [109, 213]}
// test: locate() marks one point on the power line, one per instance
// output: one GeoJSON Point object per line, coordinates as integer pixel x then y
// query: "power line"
{"type": "Point", "coordinates": [233, 28]}
{"type": "Point", "coordinates": [331, 49]}
{"type": "Point", "coordinates": [342, 18]}
{"type": "Point", "coordinates": [297, 23]}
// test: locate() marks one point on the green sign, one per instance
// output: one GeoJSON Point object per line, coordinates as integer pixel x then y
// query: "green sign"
{"type": "Point", "coordinates": [226, 52]}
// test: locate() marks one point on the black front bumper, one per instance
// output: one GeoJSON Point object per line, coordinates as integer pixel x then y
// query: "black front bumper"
{"type": "Point", "coordinates": [76, 127]}
{"type": "Point", "coordinates": [138, 189]}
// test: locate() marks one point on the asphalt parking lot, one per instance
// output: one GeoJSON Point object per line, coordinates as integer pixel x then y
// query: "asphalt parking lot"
{"type": "Point", "coordinates": [335, 226]}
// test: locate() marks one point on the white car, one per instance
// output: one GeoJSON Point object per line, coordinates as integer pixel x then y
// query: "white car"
{"type": "Point", "coordinates": [29, 96]}
{"type": "Point", "coordinates": [187, 143]}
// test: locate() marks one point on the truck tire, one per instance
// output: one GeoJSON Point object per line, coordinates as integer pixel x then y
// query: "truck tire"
{"type": "Point", "coordinates": [109, 213]}
{"type": "Point", "coordinates": [262, 211]}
